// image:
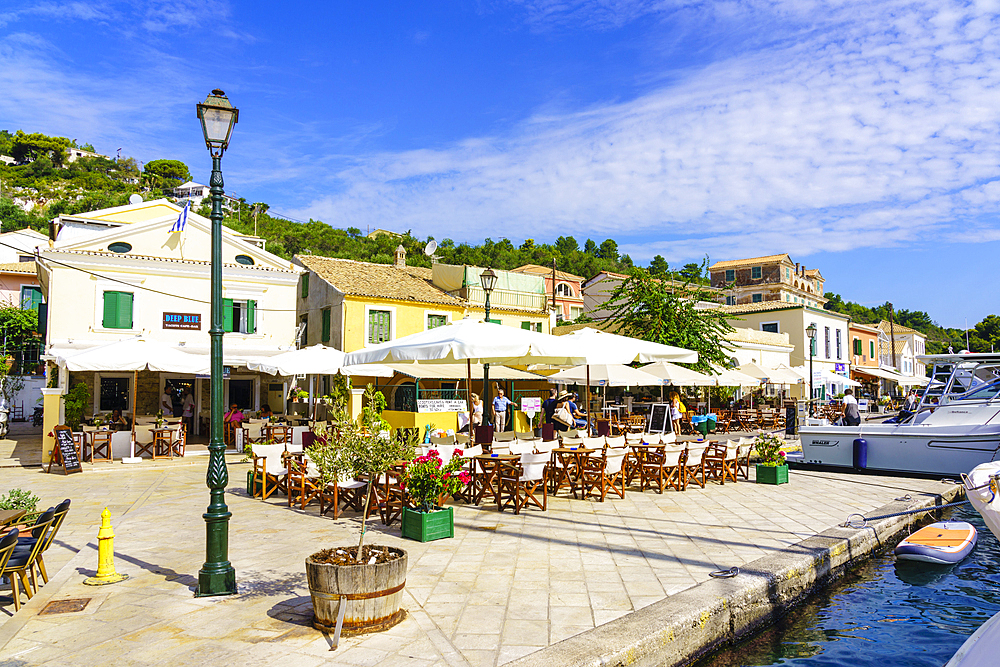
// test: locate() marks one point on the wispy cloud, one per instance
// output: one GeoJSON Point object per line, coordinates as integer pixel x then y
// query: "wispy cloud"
{"type": "Point", "coordinates": [875, 127]}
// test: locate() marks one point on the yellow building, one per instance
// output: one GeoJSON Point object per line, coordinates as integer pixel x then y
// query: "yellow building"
{"type": "Point", "coordinates": [350, 305]}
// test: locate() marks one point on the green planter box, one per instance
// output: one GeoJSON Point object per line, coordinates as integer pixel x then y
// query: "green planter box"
{"type": "Point", "coordinates": [253, 490]}
{"type": "Point", "coordinates": [772, 474]}
{"type": "Point", "coordinates": [427, 526]}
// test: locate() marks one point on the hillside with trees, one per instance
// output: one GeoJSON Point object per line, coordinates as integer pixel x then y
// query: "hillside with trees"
{"type": "Point", "coordinates": [939, 338]}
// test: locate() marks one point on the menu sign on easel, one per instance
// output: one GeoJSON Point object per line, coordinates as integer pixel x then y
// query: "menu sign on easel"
{"type": "Point", "coordinates": [659, 418]}
{"type": "Point", "coordinates": [64, 453]}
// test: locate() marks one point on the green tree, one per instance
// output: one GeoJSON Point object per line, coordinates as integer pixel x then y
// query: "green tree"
{"type": "Point", "coordinates": [646, 308]}
{"type": "Point", "coordinates": [691, 272]}
{"type": "Point", "coordinates": [167, 173]}
{"type": "Point", "coordinates": [30, 147]}
{"type": "Point", "coordinates": [985, 336]}
{"type": "Point", "coordinates": [658, 267]}
{"type": "Point", "coordinates": [608, 250]}
{"type": "Point", "coordinates": [590, 247]}
{"type": "Point", "coordinates": [566, 245]}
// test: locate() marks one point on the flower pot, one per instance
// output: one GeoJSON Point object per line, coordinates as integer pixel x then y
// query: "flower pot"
{"type": "Point", "coordinates": [372, 593]}
{"type": "Point", "coordinates": [427, 526]}
{"type": "Point", "coordinates": [772, 474]}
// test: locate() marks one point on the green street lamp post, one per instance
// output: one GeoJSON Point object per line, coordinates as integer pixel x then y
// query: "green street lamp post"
{"type": "Point", "coordinates": [489, 280]}
{"type": "Point", "coordinates": [811, 332]}
{"type": "Point", "coordinates": [217, 576]}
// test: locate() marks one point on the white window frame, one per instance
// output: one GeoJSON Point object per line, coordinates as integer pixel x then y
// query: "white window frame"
{"type": "Point", "coordinates": [445, 313]}
{"type": "Point", "coordinates": [392, 322]}
{"type": "Point", "coordinates": [775, 322]}
{"type": "Point", "coordinates": [756, 294]}
{"type": "Point", "coordinates": [568, 290]}
{"type": "Point", "coordinates": [243, 376]}
{"type": "Point", "coordinates": [131, 395]}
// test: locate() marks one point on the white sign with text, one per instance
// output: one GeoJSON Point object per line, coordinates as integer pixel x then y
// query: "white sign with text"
{"type": "Point", "coordinates": [441, 405]}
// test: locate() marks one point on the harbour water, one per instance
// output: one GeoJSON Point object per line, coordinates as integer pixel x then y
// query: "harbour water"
{"type": "Point", "coordinates": [884, 613]}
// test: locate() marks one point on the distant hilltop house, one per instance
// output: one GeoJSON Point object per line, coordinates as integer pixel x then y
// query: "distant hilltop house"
{"type": "Point", "coordinates": [770, 278]}
{"type": "Point", "coordinates": [196, 193]}
{"type": "Point", "coordinates": [8, 160]}
{"type": "Point", "coordinates": [74, 154]}
{"type": "Point", "coordinates": [383, 232]}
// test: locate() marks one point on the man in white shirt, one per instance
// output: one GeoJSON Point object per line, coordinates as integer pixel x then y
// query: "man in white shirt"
{"type": "Point", "coordinates": [167, 401]}
{"type": "Point", "coordinates": [852, 415]}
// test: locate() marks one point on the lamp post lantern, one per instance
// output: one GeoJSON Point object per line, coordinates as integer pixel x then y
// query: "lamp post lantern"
{"type": "Point", "coordinates": [217, 576]}
{"type": "Point", "coordinates": [811, 332]}
{"type": "Point", "coordinates": [488, 279]}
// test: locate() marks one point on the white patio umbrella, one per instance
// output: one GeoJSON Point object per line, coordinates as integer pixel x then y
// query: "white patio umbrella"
{"type": "Point", "coordinates": [730, 377]}
{"type": "Point", "coordinates": [610, 375]}
{"type": "Point", "coordinates": [680, 376]}
{"type": "Point", "coordinates": [314, 360]}
{"type": "Point", "coordinates": [625, 350]}
{"type": "Point", "coordinates": [134, 354]}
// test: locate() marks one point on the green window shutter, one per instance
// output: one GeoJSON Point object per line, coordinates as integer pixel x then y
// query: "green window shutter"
{"type": "Point", "coordinates": [110, 320]}
{"type": "Point", "coordinates": [305, 285]}
{"type": "Point", "coordinates": [526, 325]}
{"type": "Point", "coordinates": [227, 315]}
{"type": "Point", "coordinates": [43, 318]}
{"type": "Point", "coordinates": [251, 316]}
{"type": "Point", "coordinates": [494, 321]}
{"type": "Point", "coordinates": [813, 346]}
{"type": "Point", "coordinates": [36, 298]}
{"type": "Point", "coordinates": [125, 310]}
{"type": "Point", "coordinates": [871, 348]}
{"type": "Point", "coordinates": [379, 326]}
{"type": "Point", "coordinates": [326, 324]}
{"type": "Point", "coordinates": [538, 327]}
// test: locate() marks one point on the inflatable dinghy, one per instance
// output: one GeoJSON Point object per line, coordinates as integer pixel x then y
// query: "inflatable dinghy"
{"type": "Point", "coordinates": [944, 543]}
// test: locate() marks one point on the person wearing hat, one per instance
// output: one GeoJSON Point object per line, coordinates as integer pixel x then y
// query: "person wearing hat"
{"type": "Point", "coordinates": [562, 418]}
{"type": "Point", "coordinates": [579, 417]}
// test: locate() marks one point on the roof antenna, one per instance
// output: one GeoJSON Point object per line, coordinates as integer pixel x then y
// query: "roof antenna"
{"type": "Point", "coordinates": [429, 250]}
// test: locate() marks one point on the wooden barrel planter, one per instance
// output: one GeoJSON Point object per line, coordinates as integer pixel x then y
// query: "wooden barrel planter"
{"type": "Point", "coordinates": [372, 593]}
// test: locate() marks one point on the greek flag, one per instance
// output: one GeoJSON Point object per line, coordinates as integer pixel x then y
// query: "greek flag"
{"type": "Point", "coordinates": [181, 220]}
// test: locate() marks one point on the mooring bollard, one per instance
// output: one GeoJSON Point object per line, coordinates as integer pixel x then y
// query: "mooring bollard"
{"type": "Point", "coordinates": [105, 555]}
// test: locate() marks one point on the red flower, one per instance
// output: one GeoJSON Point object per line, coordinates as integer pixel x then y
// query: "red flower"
{"type": "Point", "coordinates": [432, 452]}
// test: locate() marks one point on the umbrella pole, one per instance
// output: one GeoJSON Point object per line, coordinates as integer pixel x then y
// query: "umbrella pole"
{"type": "Point", "coordinates": [135, 411]}
{"type": "Point", "coordinates": [468, 393]}
{"type": "Point", "coordinates": [588, 399]}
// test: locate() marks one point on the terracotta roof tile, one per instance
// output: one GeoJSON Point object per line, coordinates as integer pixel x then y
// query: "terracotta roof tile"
{"type": "Point", "coordinates": [897, 328]}
{"type": "Point", "coordinates": [764, 306]}
{"type": "Point", "coordinates": [378, 280]}
{"type": "Point", "coordinates": [538, 270]}
{"type": "Point", "coordinates": [18, 267]}
{"type": "Point", "coordinates": [759, 260]}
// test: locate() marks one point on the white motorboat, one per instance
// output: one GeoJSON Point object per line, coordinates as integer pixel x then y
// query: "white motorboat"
{"type": "Point", "coordinates": [955, 428]}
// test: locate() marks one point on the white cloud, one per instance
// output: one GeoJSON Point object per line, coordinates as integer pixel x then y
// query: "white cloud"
{"type": "Point", "coordinates": [875, 127]}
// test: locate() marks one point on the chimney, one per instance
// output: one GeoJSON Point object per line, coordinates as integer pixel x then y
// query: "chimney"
{"type": "Point", "coordinates": [796, 268]}
{"type": "Point", "coordinates": [400, 257]}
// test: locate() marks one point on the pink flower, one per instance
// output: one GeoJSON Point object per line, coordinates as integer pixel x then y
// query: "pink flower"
{"type": "Point", "coordinates": [432, 452]}
{"type": "Point", "coordinates": [458, 451]}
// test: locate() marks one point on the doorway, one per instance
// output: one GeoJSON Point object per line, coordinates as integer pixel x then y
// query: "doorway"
{"type": "Point", "coordinates": [241, 393]}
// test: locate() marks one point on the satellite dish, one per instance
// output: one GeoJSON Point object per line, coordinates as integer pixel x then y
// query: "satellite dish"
{"type": "Point", "coordinates": [430, 248]}
{"type": "Point", "coordinates": [135, 199]}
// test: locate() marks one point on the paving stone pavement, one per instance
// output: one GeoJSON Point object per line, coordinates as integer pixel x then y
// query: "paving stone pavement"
{"type": "Point", "coordinates": [504, 587]}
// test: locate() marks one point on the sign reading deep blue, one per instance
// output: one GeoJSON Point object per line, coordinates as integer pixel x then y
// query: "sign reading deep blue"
{"type": "Point", "coordinates": [182, 321]}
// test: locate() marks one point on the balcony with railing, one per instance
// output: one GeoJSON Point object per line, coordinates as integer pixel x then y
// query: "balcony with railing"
{"type": "Point", "coordinates": [501, 298]}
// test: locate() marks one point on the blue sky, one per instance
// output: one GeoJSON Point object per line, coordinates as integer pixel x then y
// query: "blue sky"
{"type": "Point", "coordinates": [861, 137]}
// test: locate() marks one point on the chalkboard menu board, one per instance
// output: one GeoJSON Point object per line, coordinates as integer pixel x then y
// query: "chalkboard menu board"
{"type": "Point", "coordinates": [64, 453]}
{"type": "Point", "coordinates": [659, 418]}
{"type": "Point", "coordinates": [790, 420]}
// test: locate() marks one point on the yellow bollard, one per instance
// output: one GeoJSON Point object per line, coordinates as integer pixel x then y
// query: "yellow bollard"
{"type": "Point", "coordinates": [105, 555]}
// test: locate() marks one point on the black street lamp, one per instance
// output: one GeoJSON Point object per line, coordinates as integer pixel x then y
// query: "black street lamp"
{"type": "Point", "coordinates": [811, 332]}
{"type": "Point", "coordinates": [489, 280]}
{"type": "Point", "coordinates": [217, 576]}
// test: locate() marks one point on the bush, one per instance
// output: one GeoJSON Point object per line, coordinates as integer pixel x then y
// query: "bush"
{"type": "Point", "coordinates": [17, 499]}
{"type": "Point", "coordinates": [769, 450]}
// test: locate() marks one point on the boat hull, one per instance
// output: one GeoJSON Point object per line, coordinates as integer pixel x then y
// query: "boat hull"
{"type": "Point", "coordinates": [919, 448]}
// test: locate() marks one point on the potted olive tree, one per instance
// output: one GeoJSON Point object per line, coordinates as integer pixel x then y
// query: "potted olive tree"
{"type": "Point", "coordinates": [367, 580]}
{"type": "Point", "coordinates": [772, 468]}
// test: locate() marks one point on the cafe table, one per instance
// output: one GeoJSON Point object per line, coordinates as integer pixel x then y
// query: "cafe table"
{"type": "Point", "coordinates": [9, 517]}
{"type": "Point", "coordinates": [100, 444]}
{"type": "Point", "coordinates": [567, 473]}
{"type": "Point", "coordinates": [163, 441]}
{"type": "Point", "coordinates": [489, 465]}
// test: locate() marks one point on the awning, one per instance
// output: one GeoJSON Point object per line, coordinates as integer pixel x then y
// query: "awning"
{"type": "Point", "coordinates": [885, 374]}
{"type": "Point", "coordinates": [459, 372]}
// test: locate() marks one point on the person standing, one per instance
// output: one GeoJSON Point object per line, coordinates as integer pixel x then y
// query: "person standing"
{"type": "Point", "coordinates": [852, 414]}
{"type": "Point", "coordinates": [167, 400]}
{"type": "Point", "coordinates": [500, 405]}
{"type": "Point", "coordinates": [549, 405]}
{"type": "Point", "coordinates": [675, 412]}
{"type": "Point", "coordinates": [187, 410]}
{"type": "Point", "coordinates": [477, 413]}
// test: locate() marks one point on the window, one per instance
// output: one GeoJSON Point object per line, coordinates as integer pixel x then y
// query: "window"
{"type": "Point", "coordinates": [755, 273]}
{"type": "Point", "coordinates": [435, 321]}
{"type": "Point", "coordinates": [25, 258]}
{"type": "Point", "coordinates": [303, 335]}
{"type": "Point", "coordinates": [839, 346]}
{"type": "Point", "coordinates": [379, 326]}
{"type": "Point", "coordinates": [730, 275]}
{"type": "Point", "coordinates": [788, 273]}
{"type": "Point", "coordinates": [305, 285]}
{"type": "Point", "coordinates": [117, 310]}
{"type": "Point", "coordinates": [31, 297]}
{"type": "Point", "coordinates": [575, 312]}
{"type": "Point", "coordinates": [114, 394]}
{"type": "Point", "coordinates": [245, 260]}
{"type": "Point", "coordinates": [730, 300]}
{"type": "Point", "coordinates": [858, 349]}
{"type": "Point", "coordinates": [826, 341]}
{"type": "Point", "coordinates": [871, 349]}
{"type": "Point", "coordinates": [120, 246]}
{"type": "Point", "coordinates": [325, 320]}
{"type": "Point", "coordinates": [562, 289]}
{"type": "Point", "coordinates": [769, 326]}
{"type": "Point", "coordinates": [757, 298]}
{"type": "Point", "coordinates": [532, 326]}
{"type": "Point", "coordinates": [239, 316]}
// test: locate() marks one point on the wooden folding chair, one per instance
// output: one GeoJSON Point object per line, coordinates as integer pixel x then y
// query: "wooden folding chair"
{"type": "Point", "coordinates": [664, 466]}
{"type": "Point", "coordinates": [720, 461]}
{"type": "Point", "coordinates": [694, 465]}
{"type": "Point", "coordinates": [144, 443]}
{"type": "Point", "coordinates": [303, 480]}
{"type": "Point", "coordinates": [522, 481]}
{"type": "Point", "coordinates": [268, 468]}
{"type": "Point", "coordinates": [19, 565]}
{"type": "Point", "coordinates": [743, 454]}
{"type": "Point", "coordinates": [599, 474]}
